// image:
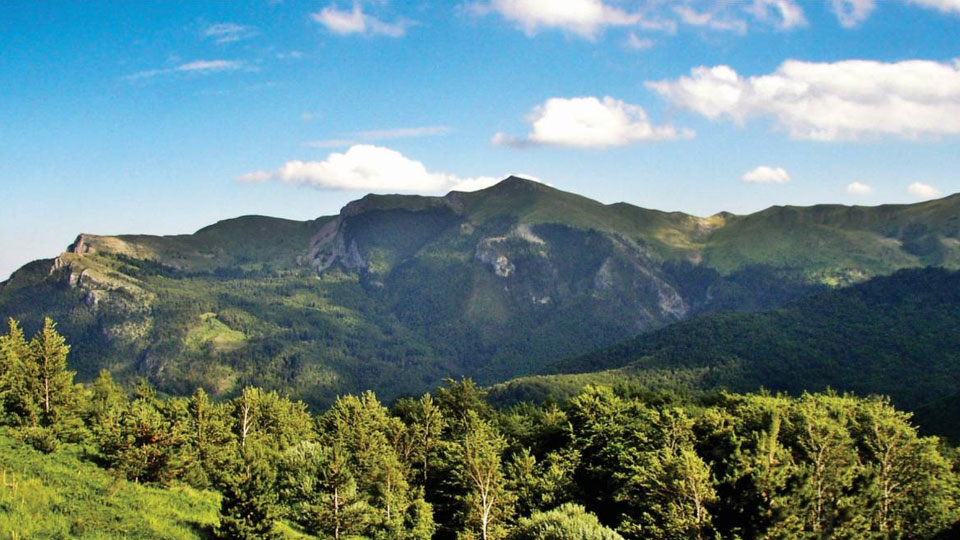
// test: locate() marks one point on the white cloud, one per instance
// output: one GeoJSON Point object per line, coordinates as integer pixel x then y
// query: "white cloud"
{"type": "Point", "coordinates": [637, 43]}
{"type": "Point", "coordinates": [378, 134]}
{"type": "Point", "coordinates": [582, 17]}
{"type": "Point", "coordinates": [710, 19]}
{"type": "Point", "coordinates": [399, 133]}
{"type": "Point", "coordinates": [785, 14]}
{"type": "Point", "coordinates": [368, 168]}
{"type": "Point", "coordinates": [229, 32]}
{"type": "Point", "coordinates": [857, 188]}
{"type": "Point", "coordinates": [196, 66]}
{"type": "Point", "coordinates": [851, 13]}
{"type": "Point", "coordinates": [923, 191]}
{"type": "Point", "coordinates": [356, 21]}
{"type": "Point", "coordinates": [845, 100]}
{"type": "Point", "coordinates": [589, 122]}
{"type": "Point", "coordinates": [946, 6]}
{"type": "Point", "coordinates": [766, 175]}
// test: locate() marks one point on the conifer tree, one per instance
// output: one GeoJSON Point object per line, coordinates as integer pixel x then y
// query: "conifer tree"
{"type": "Point", "coordinates": [53, 388]}
{"type": "Point", "coordinates": [318, 481]}
{"type": "Point", "coordinates": [16, 405]}
{"type": "Point", "coordinates": [207, 438]}
{"type": "Point", "coordinates": [248, 507]}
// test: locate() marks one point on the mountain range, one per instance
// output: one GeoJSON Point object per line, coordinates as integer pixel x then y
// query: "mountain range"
{"type": "Point", "coordinates": [398, 292]}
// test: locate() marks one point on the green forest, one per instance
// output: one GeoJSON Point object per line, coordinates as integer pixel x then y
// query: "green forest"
{"type": "Point", "coordinates": [100, 460]}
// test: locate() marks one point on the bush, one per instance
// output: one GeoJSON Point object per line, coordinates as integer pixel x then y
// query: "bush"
{"type": "Point", "coordinates": [567, 522]}
{"type": "Point", "coordinates": [40, 438]}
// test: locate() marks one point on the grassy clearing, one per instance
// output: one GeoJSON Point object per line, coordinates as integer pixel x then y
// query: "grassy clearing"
{"type": "Point", "coordinates": [62, 496]}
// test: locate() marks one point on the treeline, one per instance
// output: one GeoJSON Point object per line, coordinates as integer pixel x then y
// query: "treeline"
{"type": "Point", "coordinates": [604, 465]}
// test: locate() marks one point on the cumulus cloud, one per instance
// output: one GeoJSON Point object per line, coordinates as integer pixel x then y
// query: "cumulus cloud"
{"type": "Point", "coordinates": [228, 32]}
{"type": "Point", "coordinates": [765, 174]}
{"type": "Point", "coordinates": [923, 191]}
{"type": "Point", "coordinates": [857, 188]}
{"type": "Point", "coordinates": [197, 66]}
{"type": "Point", "coordinates": [587, 18]}
{"type": "Point", "coordinates": [582, 17]}
{"type": "Point", "coordinates": [368, 168]}
{"type": "Point", "coordinates": [355, 21]}
{"type": "Point", "coordinates": [845, 100]}
{"type": "Point", "coordinates": [590, 122]}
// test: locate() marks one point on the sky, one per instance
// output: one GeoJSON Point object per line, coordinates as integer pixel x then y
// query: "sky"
{"type": "Point", "coordinates": [163, 117]}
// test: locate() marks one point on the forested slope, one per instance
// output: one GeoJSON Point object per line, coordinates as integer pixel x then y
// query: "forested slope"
{"type": "Point", "coordinates": [398, 292]}
{"type": "Point", "coordinates": [897, 335]}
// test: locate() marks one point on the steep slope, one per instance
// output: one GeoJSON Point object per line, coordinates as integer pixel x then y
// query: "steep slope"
{"type": "Point", "coordinates": [397, 292]}
{"type": "Point", "coordinates": [897, 335]}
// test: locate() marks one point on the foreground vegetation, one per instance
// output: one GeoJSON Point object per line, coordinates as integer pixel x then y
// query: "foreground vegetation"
{"type": "Point", "coordinates": [604, 465]}
{"type": "Point", "coordinates": [64, 495]}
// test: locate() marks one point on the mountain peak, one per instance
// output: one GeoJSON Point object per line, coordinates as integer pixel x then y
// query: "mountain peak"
{"type": "Point", "coordinates": [518, 183]}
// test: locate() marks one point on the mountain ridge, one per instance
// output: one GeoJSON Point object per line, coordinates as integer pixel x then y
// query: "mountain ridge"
{"type": "Point", "coordinates": [397, 292]}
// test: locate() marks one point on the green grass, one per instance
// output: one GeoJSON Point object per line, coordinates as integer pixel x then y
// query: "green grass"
{"type": "Point", "coordinates": [211, 332]}
{"type": "Point", "coordinates": [62, 496]}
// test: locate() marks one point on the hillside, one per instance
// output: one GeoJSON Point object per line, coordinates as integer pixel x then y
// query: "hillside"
{"type": "Point", "coordinates": [398, 292]}
{"type": "Point", "coordinates": [62, 496]}
{"type": "Point", "coordinates": [897, 335]}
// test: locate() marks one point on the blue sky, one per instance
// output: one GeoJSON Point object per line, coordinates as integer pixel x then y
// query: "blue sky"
{"type": "Point", "coordinates": [163, 117]}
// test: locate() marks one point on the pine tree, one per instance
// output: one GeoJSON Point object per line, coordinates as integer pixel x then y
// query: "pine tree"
{"type": "Point", "coordinates": [208, 440]}
{"type": "Point", "coordinates": [145, 442]}
{"type": "Point", "coordinates": [318, 482]}
{"type": "Point", "coordinates": [16, 405]}
{"type": "Point", "coordinates": [52, 388]}
{"type": "Point", "coordinates": [248, 507]}
{"type": "Point", "coordinates": [427, 428]}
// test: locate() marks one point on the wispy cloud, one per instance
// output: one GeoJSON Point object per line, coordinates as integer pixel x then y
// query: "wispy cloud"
{"type": "Point", "coordinates": [229, 32]}
{"type": "Point", "coordinates": [400, 133]}
{"type": "Point", "coordinates": [859, 188]}
{"type": "Point", "coordinates": [358, 137]}
{"type": "Point", "coordinates": [923, 191]}
{"type": "Point", "coordinates": [636, 43]}
{"type": "Point", "coordinates": [201, 67]}
{"type": "Point", "coordinates": [355, 21]}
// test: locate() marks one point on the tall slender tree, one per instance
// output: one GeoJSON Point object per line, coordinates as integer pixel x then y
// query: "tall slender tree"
{"type": "Point", "coordinates": [488, 503]}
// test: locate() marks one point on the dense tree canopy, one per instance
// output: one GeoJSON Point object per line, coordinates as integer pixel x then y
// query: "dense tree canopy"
{"type": "Point", "coordinates": [604, 465]}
